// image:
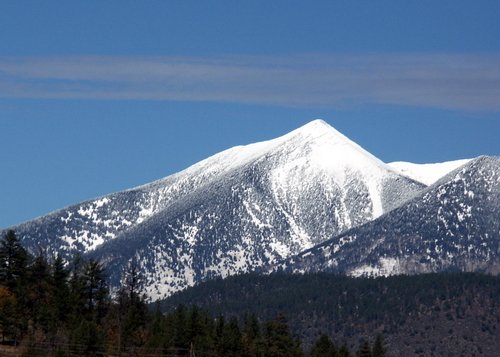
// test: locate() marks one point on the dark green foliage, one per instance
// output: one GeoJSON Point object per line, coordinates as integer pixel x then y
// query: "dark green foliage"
{"type": "Point", "coordinates": [95, 289]}
{"type": "Point", "coordinates": [324, 347]}
{"type": "Point", "coordinates": [158, 330]}
{"type": "Point", "coordinates": [131, 310]}
{"type": "Point", "coordinates": [89, 337]}
{"type": "Point", "coordinates": [61, 311]}
{"type": "Point", "coordinates": [40, 294]}
{"type": "Point", "coordinates": [344, 351]}
{"type": "Point", "coordinates": [278, 341]}
{"type": "Point", "coordinates": [181, 337]}
{"type": "Point", "coordinates": [14, 301]}
{"type": "Point", "coordinates": [13, 260]}
{"type": "Point", "coordinates": [252, 338]}
{"type": "Point", "coordinates": [379, 349]}
{"type": "Point", "coordinates": [231, 339]}
{"type": "Point", "coordinates": [348, 308]}
{"type": "Point", "coordinates": [8, 314]}
{"type": "Point", "coordinates": [61, 290]}
{"type": "Point", "coordinates": [364, 350]}
{"type": "Point", "coordinates": [366, 298]}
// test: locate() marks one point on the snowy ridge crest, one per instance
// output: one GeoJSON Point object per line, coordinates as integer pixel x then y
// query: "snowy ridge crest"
{"type": "Point", "coordinates": [236, 211]}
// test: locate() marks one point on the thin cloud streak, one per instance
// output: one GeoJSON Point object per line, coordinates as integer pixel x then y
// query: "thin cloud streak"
{"type": "Point", "coordinates": [460, 82]}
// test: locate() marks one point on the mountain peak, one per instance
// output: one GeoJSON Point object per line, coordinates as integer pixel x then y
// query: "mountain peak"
{"type": "Point", "coordinates": [317, 127]}
{"type": "Point", "coordinates": [316, 124]}
{"type": "Point", "coordinates": [331, 145]}
{"type": "Point", "coordinates": [317, 140]}
{"type": "Point", "coordinates": [244, 207]}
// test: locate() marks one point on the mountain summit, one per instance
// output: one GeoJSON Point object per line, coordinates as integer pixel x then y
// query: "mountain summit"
{"type": "Point", "coordinates": [241, 209]}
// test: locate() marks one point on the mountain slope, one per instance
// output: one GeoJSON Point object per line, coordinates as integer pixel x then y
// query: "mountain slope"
{"type": "Point", "coordinates": [240, 209]}
{"type": "Point", "coordinates": [426, 173]}
{"type": "Point", "coordinates": [447, 314]}
{"type": "Point", "coordinates": [452, 225]}
{"type": "Point", "coordinates": [278, 205]}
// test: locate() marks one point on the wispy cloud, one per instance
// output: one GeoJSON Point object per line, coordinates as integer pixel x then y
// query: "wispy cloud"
{"type": "Point", "coordinates": [470, 82]}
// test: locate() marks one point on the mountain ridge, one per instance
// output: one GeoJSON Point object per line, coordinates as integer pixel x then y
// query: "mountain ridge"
{"type": "Point", "coordinates": [236, 211]}
{"type": "Point", "coordinates": [432, 228]}
{"type": "Point", "coordinates": [427, 173]}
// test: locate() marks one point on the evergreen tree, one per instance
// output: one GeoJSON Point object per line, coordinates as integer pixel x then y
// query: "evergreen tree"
{"type": "Point", "coordinates": [13, 260]}
{"type": "Point", "coordinates": [181, 338]}
{"type": "Point", "coordinates": [344, 351]}
{"type": "Point", "coordinates": [89, 339]}
{"type": "Point", "coordinates": [133, 281]}
{"type": "Point", "coordinates": [364, 350]}
{"type": "Point", "coordinates": [157, 330]}
{"type": "Point", "coordinates": [324, 347]}
{"type": "Point", "coordinates": [219, 334]}
{"type": "Point", "coordinates": [40, 295]}
{"type": "Point", "coordinates": [252, 343]}
{"type": "Point", "coordinates": [201, 330]}
{"type": "Point", "coordinates": [76, 296]}
{"type": "Point", "coordinates": [278, 341]}
{"type": "Point", "coordinates": [231, 339]}
{"type": "Point", "coordinates": [8, 314]}
{"type": "Point", "coordinates": [133, 309]}
{"type": "Point", "coordinates": [132, 319]}
{"type": "Point", "coordinates": [379, 349]}
{"type": "Point", "coordinates": [60, 289]}
{"type": "Point", "coordinates": [95, 289]}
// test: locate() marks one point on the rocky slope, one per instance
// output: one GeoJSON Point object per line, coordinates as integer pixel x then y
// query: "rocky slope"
{"type": "Point", "coordinates": [311, 194]}
{"type": "Point", "coordinates": [243, 208]}
{"type": "Point", "coordinates": [452, 225]}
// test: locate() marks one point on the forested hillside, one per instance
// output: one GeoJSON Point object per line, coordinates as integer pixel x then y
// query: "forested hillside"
{"type": "Point", "coordinates": [49, 309]}
{"type": "Point", "coordinates": [52, 310]}
{"type": "Point", "coordinates": [432, 314]}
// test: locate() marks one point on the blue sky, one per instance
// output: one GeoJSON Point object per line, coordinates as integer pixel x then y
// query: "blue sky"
{"type": "Point", "coordinates": [97, 97]}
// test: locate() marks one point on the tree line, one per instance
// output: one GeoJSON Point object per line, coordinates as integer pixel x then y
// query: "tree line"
{"type": "Point", "coordinates": [52, 308]}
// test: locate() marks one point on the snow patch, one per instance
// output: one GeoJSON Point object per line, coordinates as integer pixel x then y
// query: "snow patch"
{"type": "Point", "coordinates": [426, 173]}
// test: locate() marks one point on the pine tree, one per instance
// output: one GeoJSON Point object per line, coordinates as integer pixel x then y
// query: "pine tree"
{"type": "Point", "coordinates": [324, 347]}
{"type": "Point", "coordinates": [157, 329]}
{"type": "Point", "coordinates": [252, 342]}
{"type": "Point", "coordinates": [40, 295]}
{"type": "Point", "coordinates": [278, 341]}
{"type": "Point", "coordinates": [89, 338]}
{"type": "Point", "coordinates": [201, 330]}
{"type": "Point", "coordinates": [13, 260]}
{"type": "Point", "coordinates": [344, 351]}
{"type": "Point", "coordinates": [60, 289]}
{"type": "Point", "coordinates": [364, 350]}
{"type": "Point", "coordinates": [95, 289]}
{"type": "Point", "coordinates": [132, 319]}
{"type": "Point", "coordinates": [181, 338]}
{"type": "Point", "coordinates": [379, 349]}
{"type": "Point", "coordinates": [77, 285]}
{"type": "Point", "coordinates": [231, 339]}
{"type": "Point", "coordinates": [132, 309]}
{"type": "Point", "coordinates": [8, 314]}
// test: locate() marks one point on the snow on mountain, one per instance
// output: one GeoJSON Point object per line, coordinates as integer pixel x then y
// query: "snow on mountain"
{"type": "Point", "coordinates": [452, 225]}
{"type": "Point", "coordinates": [426, 173]}
{"type": "Point", "coordinates": [242, 208]}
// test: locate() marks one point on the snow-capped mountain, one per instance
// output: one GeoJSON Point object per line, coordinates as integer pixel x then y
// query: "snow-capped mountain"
{"type": "Point", "coordinates": [243, 208]}
{"type": "Point", "coordinates": [426, 173]}
{"type": "Point", "coordinates": [452, 225]}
